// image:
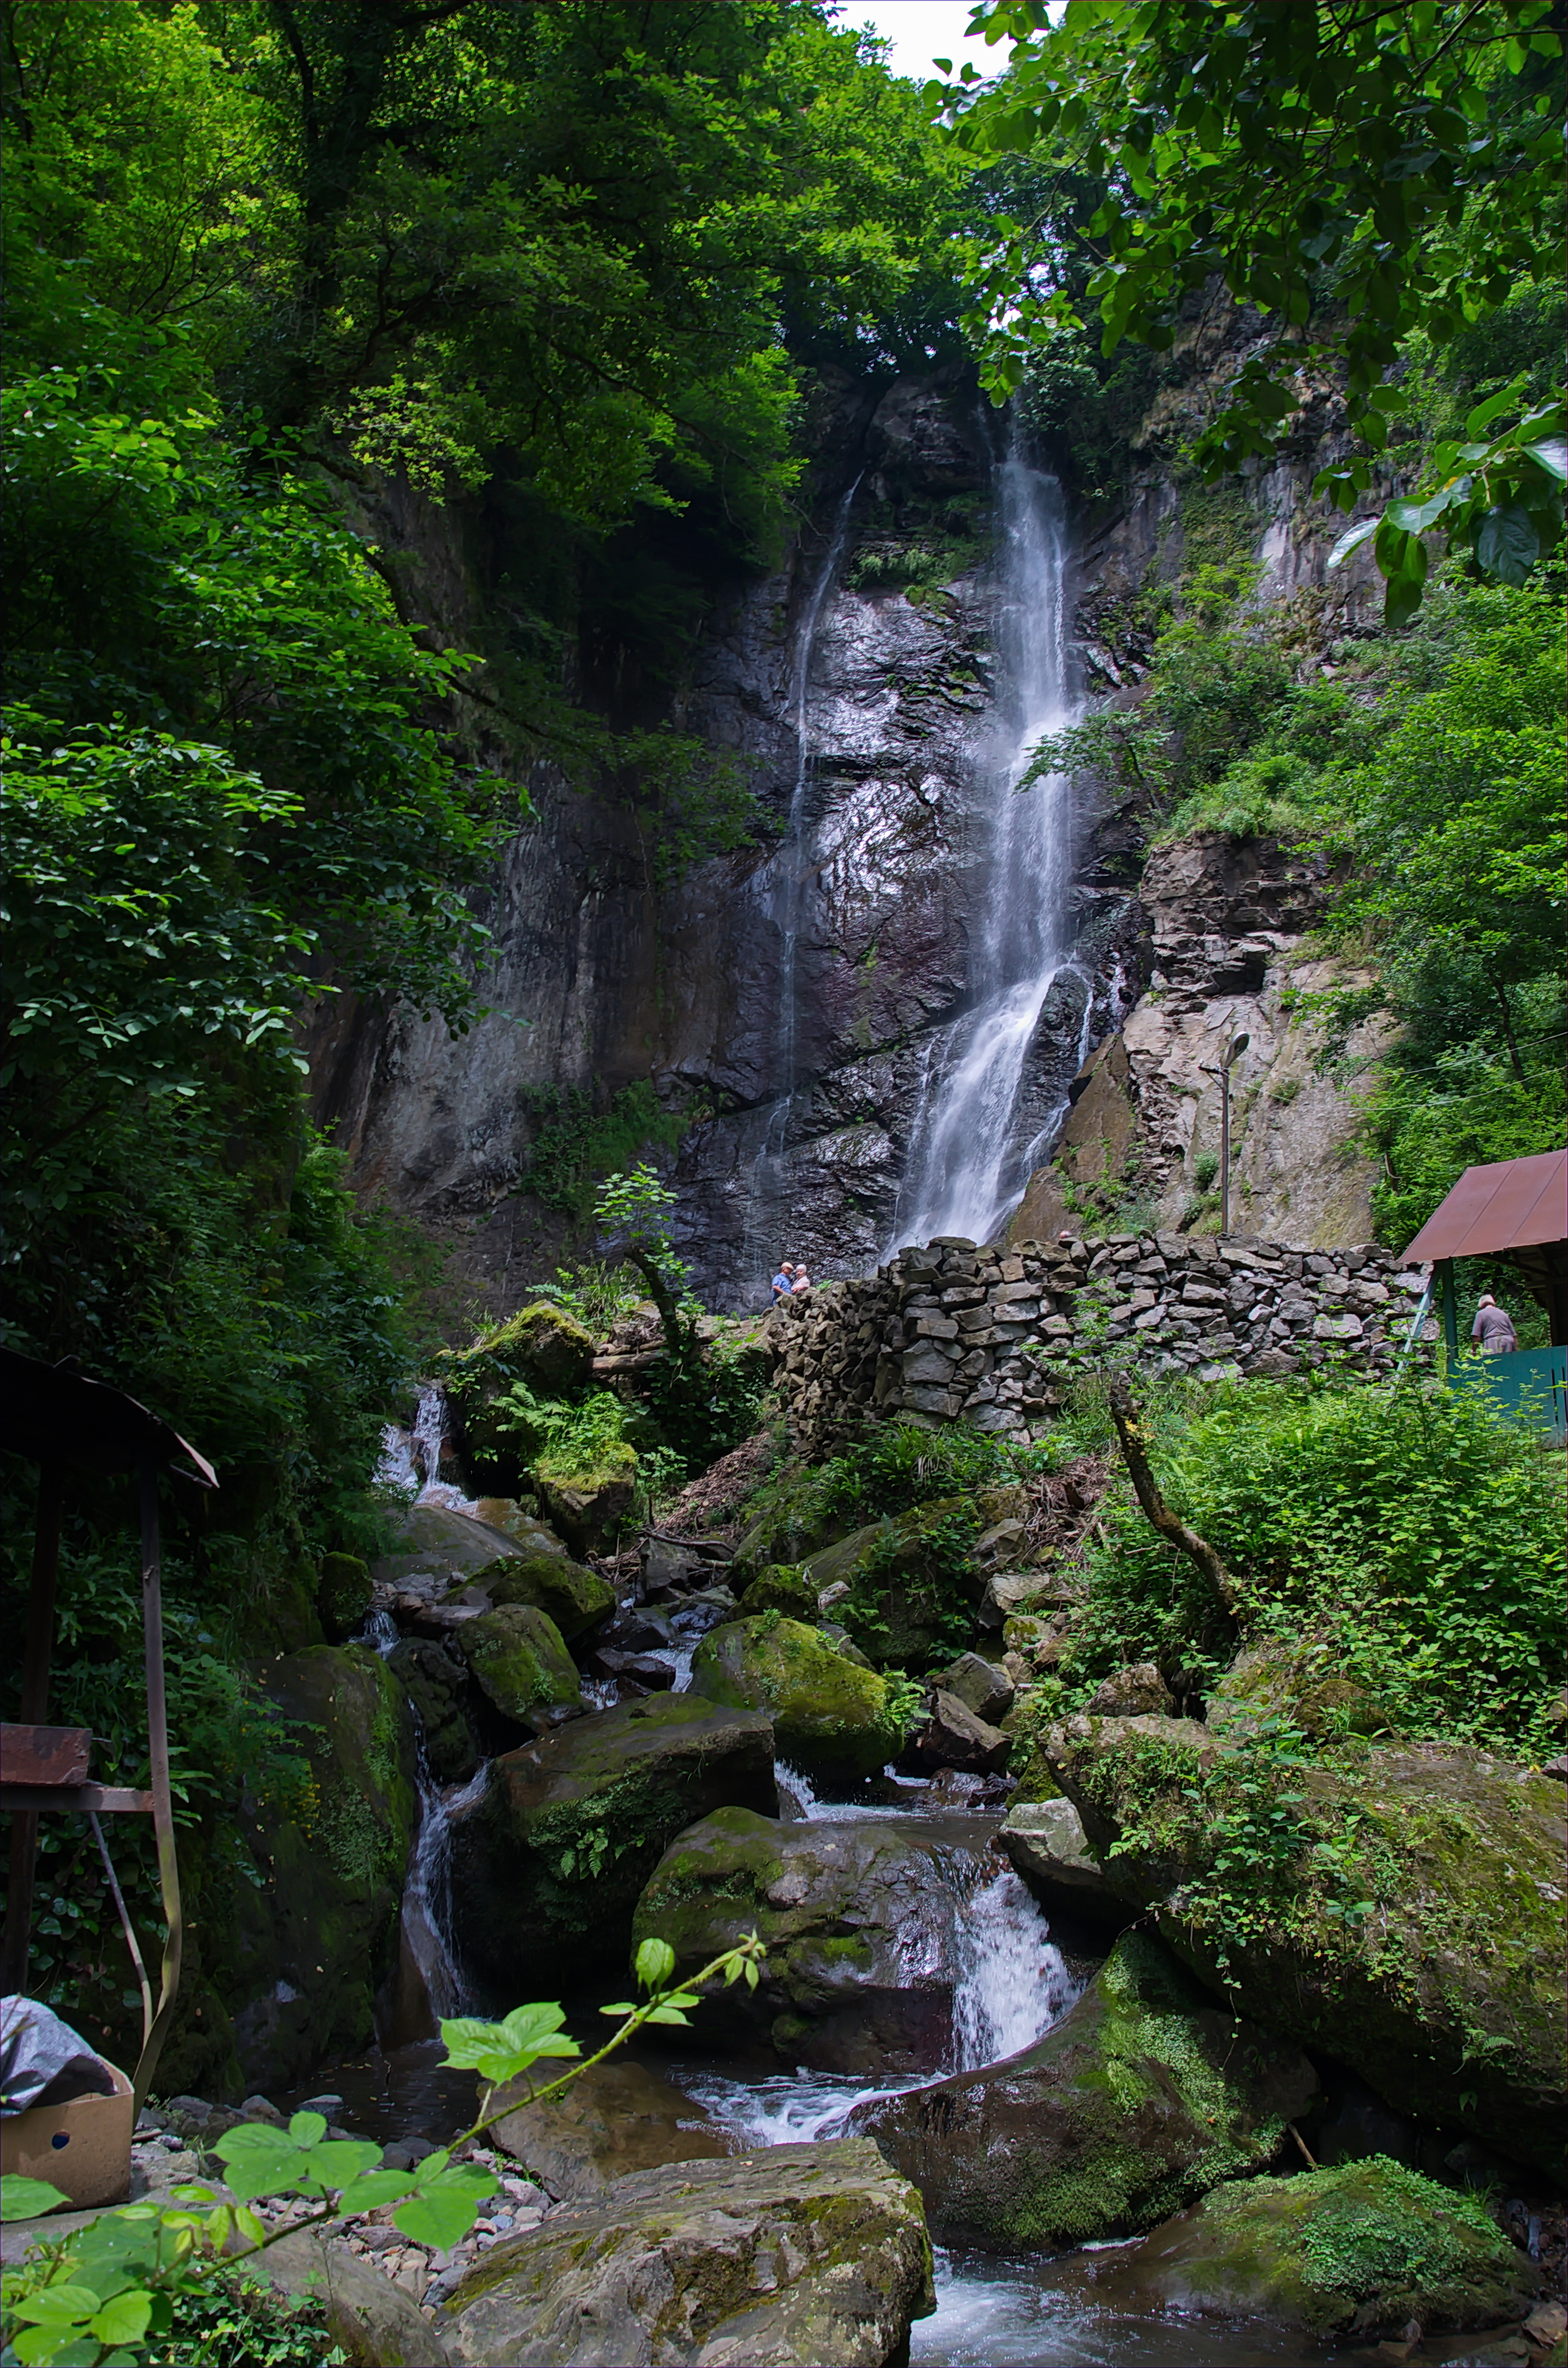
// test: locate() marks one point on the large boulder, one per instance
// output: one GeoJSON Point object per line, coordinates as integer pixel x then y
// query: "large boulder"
{"type": "Point", "coordinates": [952, 1737]}
{"type": "Point", "coordinates": [292, 1919]}
{"type": "Point", "coordinates": [433, 1674]}
{"type": "Point", "coordinates": [547, 1865]}
{"type": "Point", "coordinates": [1412, 1926]}
{"type": "Point", "coordinates": [1141, 2098]}
{"type": "Point", "coordinates": [429, 1540]}
{"type": "Point", "coordinates": [520, 1661]}
{"type": "Point", "coordinates": [374, 2321]}
{"type": "Point", "coordinates": [901, 1594]}
{"type": "Point", "coordinates": [615, 2119]}
{"type": "Point", "coordinates": [859, 1921]}
{"type": "Point", "coordinates": [830, 1718]}
{"type": "Point", "coordinates": [796, 2254]}
{"type": "Point", "coordinates": [589, 1501]}
{"type": "Point", "coordinates": [1047, 1845]}
{"type": "Point", "coordinates": [1355, 2253]}
{"type": "Point", "coordinates": [576, 1598]}
{"type": "Point", "coordinates": [541, 1347]}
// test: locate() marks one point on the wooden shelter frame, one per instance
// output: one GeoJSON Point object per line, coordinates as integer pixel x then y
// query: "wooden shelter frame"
{"type": "Point", "coordinates": [59, 1417]}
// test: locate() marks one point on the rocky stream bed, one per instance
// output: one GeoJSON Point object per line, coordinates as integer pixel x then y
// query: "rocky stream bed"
{"type": "Point", "coordinates": [991, 2103]}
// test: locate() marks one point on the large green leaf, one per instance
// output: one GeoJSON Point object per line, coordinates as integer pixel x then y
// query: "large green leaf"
{"type": "Point", "coordinates": [1507, 544]}
{"type": "Point", "coordinates": [26, 2199]}
{"type": "Point", "coordinates": [443, 2212]}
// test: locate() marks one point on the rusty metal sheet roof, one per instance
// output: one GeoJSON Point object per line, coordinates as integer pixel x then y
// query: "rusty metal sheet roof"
{"type": "Point", "coordinates": [54, 1412]}
{"type": "Point", "coordinates": [1512, 1206]}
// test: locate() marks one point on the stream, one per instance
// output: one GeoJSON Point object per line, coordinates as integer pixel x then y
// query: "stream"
{"type": "Point", "coordinates": [1014, 1982]}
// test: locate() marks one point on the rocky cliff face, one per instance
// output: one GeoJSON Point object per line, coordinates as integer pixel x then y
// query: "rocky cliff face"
{"type": "Point", "coordinates": [790, 1000]}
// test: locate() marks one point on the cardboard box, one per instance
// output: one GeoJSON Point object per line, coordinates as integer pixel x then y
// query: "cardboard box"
{"type": "Point", "coordinates": [83, 2148]}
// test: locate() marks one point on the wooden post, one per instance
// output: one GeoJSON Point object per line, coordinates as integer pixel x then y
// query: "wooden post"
{"type": "Point", "coordinates": [158, 1753]}
{"type": "Point", "coordinates": [35, 1658]}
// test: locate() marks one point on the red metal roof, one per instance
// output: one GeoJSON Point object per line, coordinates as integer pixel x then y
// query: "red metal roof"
{"type": "Point", "coordinates": [1509, 1207]}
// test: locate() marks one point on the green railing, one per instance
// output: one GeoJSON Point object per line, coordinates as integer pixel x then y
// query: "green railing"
{"type": "Point", "coordinates": [1531, 1385]}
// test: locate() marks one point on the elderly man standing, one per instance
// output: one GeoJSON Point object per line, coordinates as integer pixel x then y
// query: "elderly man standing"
{"type": "Point", "coordinates": [1493, 1330]}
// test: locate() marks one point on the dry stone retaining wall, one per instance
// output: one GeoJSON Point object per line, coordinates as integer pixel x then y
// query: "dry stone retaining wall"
{"type": "Point", "coordinates": [950, 1330]}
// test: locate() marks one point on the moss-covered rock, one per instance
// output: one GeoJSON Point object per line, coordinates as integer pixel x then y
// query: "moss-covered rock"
{"type": "Point", "coordinates": [519, 1659]}
{"type": "Point", "coordinates": [294, 1920]}
{"type": "Point", "coordinates": [548, 1866]}
{"type": "Point", "coordinates": [829, 1717]}
{"type": "Point", "coordinates": [1141, 2098]}
{"type": "Point", "coordinates": [588, 1502]}
{"type": "Point", "coordinates": [792, 1523]}
{"type": "Point", "coordinates": [781, 1588]}
{"type": "Point", "coordinates": [1296, 1679]}
{"type": "Point", "coordinates": [541, 1347]}
{"type": "Point", "coordinates": [795, 2253]}
{"type": "Point", "coordinates": [436, 1680]}
{"type": "Point", "coordinates": [428, 1538]}
{"type": "Point", "coordinates": [1408, 1919]}
{"type": "Point", "coordinates": [345, 1595]}
{"type": "Point", "coordinates": [860, 1923]}
{"type": "Point", "coordinates": [576, 1598]}
{"type": "Point", "coordinates": [908, 1580]}
{"type": "Point", "coordinates": [1358, 2251]}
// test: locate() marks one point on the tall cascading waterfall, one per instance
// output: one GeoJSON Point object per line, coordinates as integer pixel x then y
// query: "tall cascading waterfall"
{"type": "Point", "coordinates": [967, 1165]}
{"type": "Point", "coordinates": [765, 1198]}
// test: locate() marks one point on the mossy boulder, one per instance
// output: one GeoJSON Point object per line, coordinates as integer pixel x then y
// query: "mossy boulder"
{"type": "Point", "coordinates": [792, 1524]}
{"type": "Point", "coordinates": [519, 1659]}
{"type": "Point", "coordinates": [781, 1588]}
{"type": "Point", "coordinates": [576, 1598]}
{"type": "Point", "coordinates": [829, 1717]}
{"type": "Point", "coordinates": [859, 1923]}
{"type": "Point", "coordinates": [433, 1675]}
{"type": "Point", "coordinates": [616, 2118]}
{"type": "Point", "coordinates": [1414, 1931]}
{"type": "Point", "coordinates": [793, 2254]}
{"type": "Point", "coordinates": [547, 1867]}
{"type": "Point", "coordinates": [1297, 1678]}
{"type": "Point", "coordinates": [428, 1538]}
{"type": "Point", "coordinates": [541, 1347]}
{"type": "Point", "coordinates": [345, 1596]}
{"type": "Point", "coordinates": [299, 1954]}
{"type": "Point", "coordinates": [1140, 2099]}
{"type": "Point", "coordinates": [1355, 2252]}
{"type": "Point", "coordinates": [589, 1502]}
{"type": "Point", "coordinates": [907, 1578]}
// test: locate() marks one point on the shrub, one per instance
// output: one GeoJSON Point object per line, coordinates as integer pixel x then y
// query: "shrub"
{"type": "Point", "coordinates": [1424, 1530]}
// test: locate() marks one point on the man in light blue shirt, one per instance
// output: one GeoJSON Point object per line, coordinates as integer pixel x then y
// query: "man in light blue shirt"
{"type": "Point", "coordinates": [783, 1282]}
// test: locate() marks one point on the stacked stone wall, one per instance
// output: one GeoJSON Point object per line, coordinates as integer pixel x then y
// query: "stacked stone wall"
{"type": "Point", "coordinates": [950, 1331]}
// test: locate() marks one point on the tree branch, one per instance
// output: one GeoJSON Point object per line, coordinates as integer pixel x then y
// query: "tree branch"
{"type": "Point", "coordinates": [1169, 1523]}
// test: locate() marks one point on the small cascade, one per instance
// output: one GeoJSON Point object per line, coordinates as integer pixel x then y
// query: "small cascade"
{"type": "Point", "coordinates": [428, 1941]}
{"type": "Point", "coordinates": [1012, 1985]}
{"type": "Point", "coordinates": [411, 1460]}
{"type": "Point", "coordinates": [966, 1165]}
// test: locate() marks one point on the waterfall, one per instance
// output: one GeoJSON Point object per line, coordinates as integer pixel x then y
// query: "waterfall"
{"type": "Point", "coordinates": [411, 1460]}
{"type": "Point", "coordinates": [426, 1914]}
{"type": "Point", "coordinates": [1012, 1983]}
{"type": "Point", "coordinates": [786, 900]}
{"type": "Point", "coordinates": [966, 1165]}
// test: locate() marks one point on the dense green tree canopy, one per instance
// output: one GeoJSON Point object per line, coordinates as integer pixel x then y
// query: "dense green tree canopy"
{"type": "Point", "coordinates": [1355, 174]}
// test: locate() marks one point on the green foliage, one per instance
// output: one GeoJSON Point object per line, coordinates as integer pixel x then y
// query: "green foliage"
{"type": "Point", "coordinates": [1407, 189]}
{"type": "Point", "coordinates": [1423, 1533]}
{"type": "Point", "coordinates": [707, 1406]}
{"type": "Point", "coordinates": [895, 1467]}
{"type": "Point", "coordinates": [575, 1438]}
{"type": "Point", "coordinates": [594, 1292]}
{"type": "Point", "coordinates": [576, 1146]}
{"type": "Point", "coordinates": [84, 2299]}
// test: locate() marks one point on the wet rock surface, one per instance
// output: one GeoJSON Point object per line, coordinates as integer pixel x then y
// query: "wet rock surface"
{"type": "Point", "coordinates": [1144, 2096]}
{"type": "Point", "coordinates": [1045, 1842]}
{"type": "Point", "coordinates": [1447, 2001]}
{"type": "Point", "coordinates": [547, 1865]}
{"type": "Point", "coordinates": [1358, 2252]}
{"type": "Point", "coordinates": [861, 1924]}
{"type": "Point", "coordinates": [519, 1660]}
{"type": "Point", "coordinates": [615, 2119]}
{"type": "Point", "coordinates": [829, 1717]}
{"type": "Point", "coordinates": [808, 2253]}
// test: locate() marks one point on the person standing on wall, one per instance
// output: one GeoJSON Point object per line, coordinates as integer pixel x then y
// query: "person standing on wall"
{"type": "Point", "coordinates": [1493, 1329]}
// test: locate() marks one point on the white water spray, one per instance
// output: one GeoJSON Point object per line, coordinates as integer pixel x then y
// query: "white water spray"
{"type": "Point", "coordinates": [966, 1168]}
{"type": "Point", "coordinates": [427, 1887]}
{"type": "Point", "coordinates": [411, 1460]}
